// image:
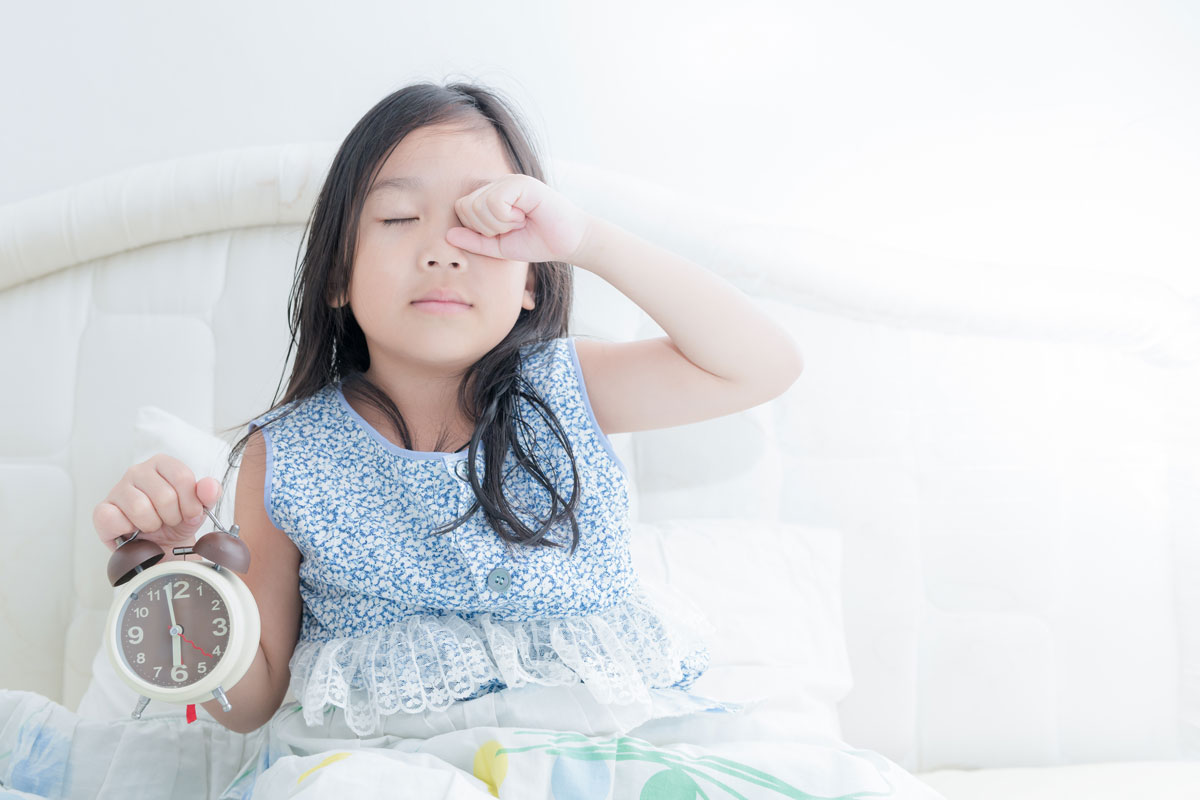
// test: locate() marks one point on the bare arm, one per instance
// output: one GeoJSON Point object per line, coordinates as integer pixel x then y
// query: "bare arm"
{"type": "Point", "coordinates": [274, 580]}
{"type": "Point", "coordinates": [708, 320]}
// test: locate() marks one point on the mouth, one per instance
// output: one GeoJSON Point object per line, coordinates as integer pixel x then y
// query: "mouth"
{"type": "Point", "coordinates": [441, 306]}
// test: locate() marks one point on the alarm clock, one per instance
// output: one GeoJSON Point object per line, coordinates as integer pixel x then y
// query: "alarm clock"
{"type": "Point", "coordinates": [182, 631]}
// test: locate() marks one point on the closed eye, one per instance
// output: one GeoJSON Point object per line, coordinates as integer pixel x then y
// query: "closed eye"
{"type": "Point", "coordinates": [394, 221]}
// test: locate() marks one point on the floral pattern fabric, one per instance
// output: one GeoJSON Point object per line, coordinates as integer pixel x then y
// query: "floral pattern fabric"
{"type": "Point", "coordinates": [398, 618]}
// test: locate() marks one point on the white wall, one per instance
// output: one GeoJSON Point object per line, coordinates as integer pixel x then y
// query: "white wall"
{"type": "Point", "coordinates": [1028, 132]}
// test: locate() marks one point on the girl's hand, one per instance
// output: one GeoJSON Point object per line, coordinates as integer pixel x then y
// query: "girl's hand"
{"type": "Point", "coordinates": [519, 218]}
{"type": "Point", "coordinates": [159, 497]}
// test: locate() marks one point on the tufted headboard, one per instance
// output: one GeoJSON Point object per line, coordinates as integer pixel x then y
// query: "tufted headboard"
{"type": "Point", "coordinates": [1011, 454]}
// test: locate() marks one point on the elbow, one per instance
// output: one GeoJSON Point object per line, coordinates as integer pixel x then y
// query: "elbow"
{"type": "Point", "coordinates": [797, 360]}
{"type": "Point", "coordinates": [781, 379]}
{"type": "Point", "coordinates": [789, 371]}
{"type": "Point", "coordinates": [248, 723]}
{"type": "Point", "coordinates": [239, 723]}
{"type": "Point", "coordinates": [240, 726]}
{"type": "Point", "coordinates": [788, 360]}
{"type": "Point", "coordinates": [797, 366]}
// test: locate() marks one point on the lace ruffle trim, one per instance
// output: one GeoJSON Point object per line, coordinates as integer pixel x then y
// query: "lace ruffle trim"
{"type": "Point", "coordinates": [428, 661]}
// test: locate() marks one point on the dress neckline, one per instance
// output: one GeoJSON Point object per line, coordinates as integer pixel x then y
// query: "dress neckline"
{"type": "Point", "coordinates": [388, 444]}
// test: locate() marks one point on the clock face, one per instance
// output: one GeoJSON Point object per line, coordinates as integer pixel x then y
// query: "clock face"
{"type": "Point", "coordinates": [174, 630]}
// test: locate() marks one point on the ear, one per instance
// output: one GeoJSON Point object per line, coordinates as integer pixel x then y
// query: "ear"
{"type": "Point", "coordinates": [530, 299]}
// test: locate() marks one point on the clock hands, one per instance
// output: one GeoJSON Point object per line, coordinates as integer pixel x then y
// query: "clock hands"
{"type": "Point", "coordinates": [175, 630]}
{"type": "Point", "coordinates": [198, 647]}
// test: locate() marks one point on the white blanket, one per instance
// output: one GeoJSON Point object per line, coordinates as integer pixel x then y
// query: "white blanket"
{"type": "Point", "coordinates": [552, 742]}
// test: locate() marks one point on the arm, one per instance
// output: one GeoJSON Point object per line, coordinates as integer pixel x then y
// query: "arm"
{"type": "Point", "coordinates": [274, 580]}
{"type": "Point", "coordinates": [721, 355]}
{"type": "Point", "coordinates": [710, 321]}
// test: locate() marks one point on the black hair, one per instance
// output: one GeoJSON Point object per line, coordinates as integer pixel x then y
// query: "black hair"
{"type": "Point", "coordinates": [330, 346]}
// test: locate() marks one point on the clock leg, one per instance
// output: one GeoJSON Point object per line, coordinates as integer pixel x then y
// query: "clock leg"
{"type": "Point", "coordinates": [219, 693]}
{"type": "Point", "coordinates": [140, 707]}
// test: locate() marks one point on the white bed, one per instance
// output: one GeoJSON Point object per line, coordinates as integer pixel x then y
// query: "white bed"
{"type": "Point", "coordinates": [966, 538]}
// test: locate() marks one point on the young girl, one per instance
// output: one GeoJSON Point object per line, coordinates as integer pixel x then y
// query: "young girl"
{"type": "Point", "coordinates": [438, 524]}
{"type": "Point", "coordinates": [435, 514]}
{"type": "Point", "coordinates": [437, 486]}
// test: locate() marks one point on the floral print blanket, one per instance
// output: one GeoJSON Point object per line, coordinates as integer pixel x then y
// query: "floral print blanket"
{"type": "Point", "coordinates": [47, 751]}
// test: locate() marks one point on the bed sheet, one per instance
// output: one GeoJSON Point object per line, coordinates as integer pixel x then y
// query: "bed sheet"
{"type": "Point", "coordinates": [577, 750]}
{"type": "Point", "coordinates": [1117, 780]}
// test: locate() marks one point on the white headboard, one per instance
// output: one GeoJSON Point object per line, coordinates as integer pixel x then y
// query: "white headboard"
{"type": "Point", "coordinates": [1011, 454]}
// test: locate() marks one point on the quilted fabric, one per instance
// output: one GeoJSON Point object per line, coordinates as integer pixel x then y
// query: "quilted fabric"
{"type": "Point", "coordinates": [398, 618]}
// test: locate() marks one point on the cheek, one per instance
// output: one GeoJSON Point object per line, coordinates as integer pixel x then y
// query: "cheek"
{"type": "Point", "coordinates": [515, 280]}
{"type": "Point", "coordinates": [371, 290]}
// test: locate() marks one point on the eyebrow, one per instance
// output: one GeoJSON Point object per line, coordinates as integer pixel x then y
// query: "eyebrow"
{"type": "Point", "coordinates": [406, 183]}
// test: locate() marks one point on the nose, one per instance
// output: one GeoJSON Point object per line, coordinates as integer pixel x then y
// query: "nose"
{"type": "Point", "coordinates": [440, 251]}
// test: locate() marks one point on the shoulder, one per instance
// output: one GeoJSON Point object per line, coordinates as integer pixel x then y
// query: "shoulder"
{"type": "Point", "coordinates": [292, 429]}
{"type": "Point", "coordinates": [543, 352]}
{"type": "Point", "coordinates": [556, 366]}
{"type": "Point", "coordinates": [312, 403]}
{"type": "Point", "coordinates": [542, 362]}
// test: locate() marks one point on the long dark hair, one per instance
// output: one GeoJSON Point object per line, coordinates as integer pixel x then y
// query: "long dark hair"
{"type": "Point", "coordinates": [330, 345]}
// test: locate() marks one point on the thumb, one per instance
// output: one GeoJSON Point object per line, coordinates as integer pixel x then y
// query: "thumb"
{"type": "Point", "coordinates": [208, 490]}
{"type": "Point", "coordinates": [472, 242]}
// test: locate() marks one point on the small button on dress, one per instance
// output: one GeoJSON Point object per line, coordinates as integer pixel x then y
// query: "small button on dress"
{"type": "Point", "coordinates": [499, 580]}
{"type": "Point", "coordinates": [462, 470]}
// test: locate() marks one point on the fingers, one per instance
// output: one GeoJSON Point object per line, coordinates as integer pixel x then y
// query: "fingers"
{"type": "Point", "coordinates": [143, 500]}
{"type": "Point", "coordinates": [491, 210]}
{"type": "Point", "coordinates": [110, 522]}
{"type": "Point", "coordinates": [159, 497]}
{"type": "Point", "coordinates": [161, 492]}
{"type": "Point", "coordinates": [468, 210]}
{"type": "Point", "coordinates": [171, 487]}
{"type": "Point", "coordinates": [208, 490]}
{"type": "Point", "coordinates": [501, 211]}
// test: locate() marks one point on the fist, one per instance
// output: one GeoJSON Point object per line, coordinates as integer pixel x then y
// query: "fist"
{"type": "Point", "coordinates": [519, 218]}
{"type": "Point", "coordinates": [159, 497]}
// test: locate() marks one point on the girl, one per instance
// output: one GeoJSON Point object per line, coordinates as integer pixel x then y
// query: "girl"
{"type": "Point", "coordinates": [436, 484]}
{"type": "Point", "coordinates": [434, 511]}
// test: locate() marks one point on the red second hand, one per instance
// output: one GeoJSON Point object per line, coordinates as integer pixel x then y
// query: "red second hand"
{"type": "Point", "coordinates": [193, 644]}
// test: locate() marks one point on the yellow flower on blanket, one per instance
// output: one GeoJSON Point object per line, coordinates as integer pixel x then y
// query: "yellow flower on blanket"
{"type": "Point", "coordinates": [325, 763]}
{"type": "Point", "coordinates": [490, 767]}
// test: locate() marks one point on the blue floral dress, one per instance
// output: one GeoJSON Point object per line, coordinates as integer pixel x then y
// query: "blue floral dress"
{"type": "Point", "coordinates": [397, 618]}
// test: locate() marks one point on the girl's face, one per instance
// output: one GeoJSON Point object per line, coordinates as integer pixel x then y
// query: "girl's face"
{"type": "Point", "coordinates": [398, 263]}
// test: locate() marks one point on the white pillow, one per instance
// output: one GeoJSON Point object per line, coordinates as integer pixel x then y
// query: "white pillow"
{"type": "Point", "coordinates": [157, 431]}
{"type": "Point", "coordinates": [772, 591]}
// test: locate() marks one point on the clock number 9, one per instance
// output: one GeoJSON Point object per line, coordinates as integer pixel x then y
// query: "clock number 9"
{"type": "Point", "coordinates": [135, 634]}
